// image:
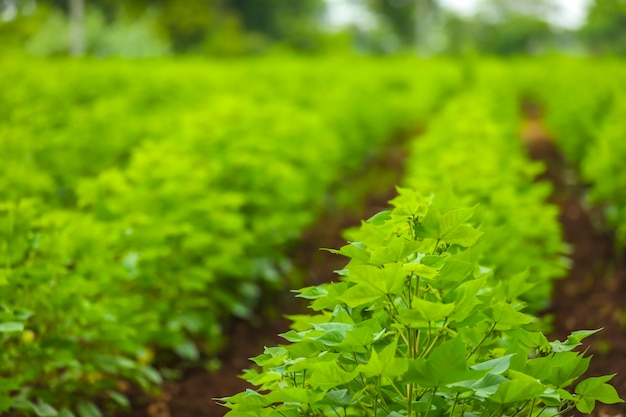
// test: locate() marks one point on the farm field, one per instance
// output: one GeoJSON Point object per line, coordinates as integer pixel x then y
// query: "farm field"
{"type": "Point", "coordinates": [157, 218]}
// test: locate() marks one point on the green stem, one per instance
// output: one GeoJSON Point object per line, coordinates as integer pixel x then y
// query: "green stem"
{"type": "Point", "coordinates": [430, 402]}
{"type": "Point", "coordinates": [435, 249]}
{"type": "Point", "coordinates": [409, 402]}
{"type": "Point", "coordinates": [493, 326]}
{"type": "Point", "coordinates": [456, 398]}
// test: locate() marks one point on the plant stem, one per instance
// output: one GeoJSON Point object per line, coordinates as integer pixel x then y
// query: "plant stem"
{"type": "Point", "coordinates": [456, 398]}
{"type": "Point", "coordinates": [493, 326]}
{"type": "Point", "coordinates": [409, 402]}
{"type": "Point", "coordinates": [430, 401]}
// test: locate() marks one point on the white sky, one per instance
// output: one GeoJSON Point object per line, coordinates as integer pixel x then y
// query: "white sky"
{"type": "Point", "coordinates": [571, 13]}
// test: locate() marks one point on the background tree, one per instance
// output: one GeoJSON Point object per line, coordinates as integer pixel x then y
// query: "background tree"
{"type": "Point", "coordinates": [605, 30]}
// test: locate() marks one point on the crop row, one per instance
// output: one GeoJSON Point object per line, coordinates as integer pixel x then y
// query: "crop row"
{"type": "Point", "coordinates": [143, 204]}
{"type": "Point", "coordinates": [584, 103]}
{"type": "Point", "coordinates": [430, 316]}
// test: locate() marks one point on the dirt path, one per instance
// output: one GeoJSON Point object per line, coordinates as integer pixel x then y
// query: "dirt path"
{"type": "Point", "coordinates": [593, 295]}
{"type": "Point", "coordinates": [191, 396]}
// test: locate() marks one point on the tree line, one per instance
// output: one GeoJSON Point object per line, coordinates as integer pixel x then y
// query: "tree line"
{"type": "Point", "coordinates": [239, 27]}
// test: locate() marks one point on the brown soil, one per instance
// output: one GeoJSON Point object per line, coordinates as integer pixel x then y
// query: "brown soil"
{"type": "Point", "coordinates": [193, 394]}
{"type": "Point", "coordinates": [593, 295]}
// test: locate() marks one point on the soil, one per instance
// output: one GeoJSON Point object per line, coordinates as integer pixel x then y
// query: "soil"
{"type": "Point", "coordinates": [592, 296]}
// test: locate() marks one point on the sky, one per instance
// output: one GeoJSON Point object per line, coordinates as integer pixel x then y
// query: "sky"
{"type": "Point", "coordinates": [571, 13]}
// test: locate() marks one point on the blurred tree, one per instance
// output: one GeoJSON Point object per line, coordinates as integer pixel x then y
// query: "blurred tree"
{"type": "Point", "coordinates": [502, 27]}
{"type": "Point", "coordinates": [605, 30]}
{"type": "Point", "coordinates": [222, 26]}
{"type": "Point", "coordinates": [411, 21]}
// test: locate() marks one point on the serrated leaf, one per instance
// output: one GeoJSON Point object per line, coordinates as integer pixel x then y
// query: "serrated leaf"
{"type": "Point", "coordinates": [559, 369]}
{"type": "Point", "coordinates": [596, 389]}
{"type": "Point", "coordinates": [358, 295]}
{"type": "Point", "coordinates": [520, 388]}
{"type": "Point", "coordinates": [572, 341]}
{"type": "Point", "coordinates": [384, 363]}
{"type": "Point", "coordinates": [425, 311]}
{"type": "Point", "coordinates": [328, 374]}
{"type": "Point", "coordinates": [506, 316]}
{"type": "Point", "coordinates": [387, 280]}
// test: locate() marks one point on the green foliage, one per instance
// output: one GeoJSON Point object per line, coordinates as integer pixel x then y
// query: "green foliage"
{"type": "Point", "coordinates": [155, 201]}
{"type": "Point", "coordinates": [417, 327]}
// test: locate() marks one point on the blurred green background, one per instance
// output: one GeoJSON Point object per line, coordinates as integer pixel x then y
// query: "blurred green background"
{"type": "Point", "coordinates": [140, 28]}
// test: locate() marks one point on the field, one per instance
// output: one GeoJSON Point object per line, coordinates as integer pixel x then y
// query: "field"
{"type": "Point", "coordinates": [158, 216]}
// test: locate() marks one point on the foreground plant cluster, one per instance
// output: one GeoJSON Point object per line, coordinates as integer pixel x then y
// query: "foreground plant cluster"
{"type": "Point", "coordinates": [417, 327]}
{"type": "Point", "coordinates": [144, 205]}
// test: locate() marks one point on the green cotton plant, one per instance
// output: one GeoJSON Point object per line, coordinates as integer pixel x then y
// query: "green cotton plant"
{"type": "Point", "coordinates": [416, 327]}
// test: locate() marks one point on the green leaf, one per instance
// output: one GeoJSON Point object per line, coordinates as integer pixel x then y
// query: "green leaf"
{"type": "Point", "coordinates": [573, 340]}
{"type": "Point", "coordinates": [354, 250]}
{"type": "Point", "coordinates": [88, 409]}
{"type": "Point", "coordinates": [387, 280]}
{"type": "Point", "coordinates": [397, 249]}
{"type": "Point", "coordinates": [449, 227]}
{"type": "Point", "coordinates": [421, 270]}
{"type": "Point", "coordinates": [292, 395]}
{"type": "Point", "coordinates": [506, 316]}
{"type": "Point", "coordinates": [445, 365]}
{"type": "Point", "coordinates": [11, 326]}
{"type": "Point", "coordinates": [247, 398]}
{"type": "Point", "coordinates": [45, 410]}
{"type": "Point", "coordinates": [358, 295]}
{"type": "Point", "coordinates": [338, 397]}
{"type": "Point", "coordinates": [494, 366]}
{"type": "Point", "coordinates": [311, 293]}
{"type": "Point", "coordinates": [424, 312]}
{"type": "Point", "coordinates": [596, 389]}
{"type": "Point", "coordinates": [559, 369]}
{"type": "Point", "coordinates": [455, 271]}
{"type": "Point", "coordinates": [327, 374]}
{"type": "Point", "coordinates": [483, 387]}
{"type": "Point", "coordinates": [520, 388]}
{"type": "Point", "coordinates": [384, 363]}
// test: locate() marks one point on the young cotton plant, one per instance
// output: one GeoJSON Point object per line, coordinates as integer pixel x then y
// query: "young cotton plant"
{"type": "Point", "coordinates": [416, 327]}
